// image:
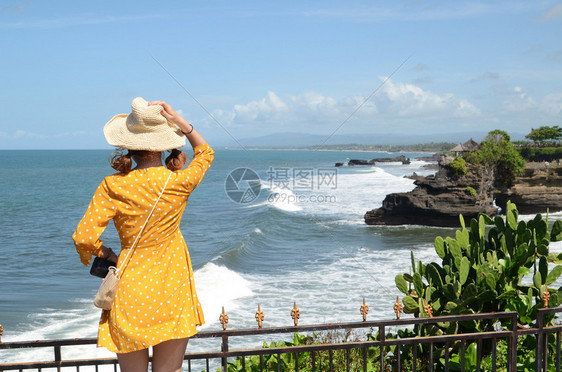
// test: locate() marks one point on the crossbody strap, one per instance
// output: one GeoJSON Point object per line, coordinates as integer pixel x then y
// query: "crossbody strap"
{"type": "Point", "coordinates": [126, 261]}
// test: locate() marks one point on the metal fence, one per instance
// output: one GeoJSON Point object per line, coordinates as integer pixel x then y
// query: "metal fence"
{"type": "Point", "coordinates": [376, 353]}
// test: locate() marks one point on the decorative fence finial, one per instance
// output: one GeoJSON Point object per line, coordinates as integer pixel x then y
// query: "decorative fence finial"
{"type": "Point", "coordinates": [398, 307]}
{"type": "Point", "coordinates": [259, 317]}
{"type": "Point", "coordinates": [364, 310]}
{"type": "Point", "coordinates": [295, 314]}
{"type": "Point", "coordinates": [546, 298]}
{"type": "Point", "coordinates": [428, 309]}
{"type": "Point", "coordinates": [223, 318]}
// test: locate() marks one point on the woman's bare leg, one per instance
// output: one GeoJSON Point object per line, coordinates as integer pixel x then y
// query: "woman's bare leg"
{"type": "Point", "coordinates": [168, 355]}
{"type": "Point", "coordinates": [136, 361]}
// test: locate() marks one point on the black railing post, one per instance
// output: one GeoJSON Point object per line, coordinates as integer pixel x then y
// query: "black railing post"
{"type": "Point", "coordinates": [224, 349]}
{"type": "Point", "coordinates": [446, 356]}
{"type": "Point", "coordinates": [512, 346]}
{"type": "Point", "coordinates": [57, 357]}
{"type": "Point", "coordinates": [398, 366]}
{"type": "Point", "coordinates": [539, 348]}
{"type": "Point", "coordinates": [431, 357]}
{"type": "Point", "coordinates": [382, 334]}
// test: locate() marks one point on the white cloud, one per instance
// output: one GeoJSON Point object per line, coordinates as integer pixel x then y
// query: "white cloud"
{"type": "Point", "coordinates": [23, 133]}
{"type": "Point", "coordinates": [555, 12]}
{"type": "Point", "coordinates": [311, 110]}
{"type": "Point", "coordinates": [410, 100]}
{"type": "Point", "coordinates": [518, 101]}
{"type": "Point", "coordinates": [266, 109]}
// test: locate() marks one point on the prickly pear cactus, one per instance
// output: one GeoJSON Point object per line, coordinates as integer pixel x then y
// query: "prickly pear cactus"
{"type": "Point", "coordinates": [494, 265]}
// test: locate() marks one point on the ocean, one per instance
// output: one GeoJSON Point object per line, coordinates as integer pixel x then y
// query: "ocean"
{"type": "Point", "coordinates": [301, 239]}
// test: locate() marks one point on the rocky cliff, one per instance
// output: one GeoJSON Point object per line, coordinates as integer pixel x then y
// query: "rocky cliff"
{"type": "Point", "coordinates": [438, 200]}
{"type": "Point", "coordinates": [537, 189]}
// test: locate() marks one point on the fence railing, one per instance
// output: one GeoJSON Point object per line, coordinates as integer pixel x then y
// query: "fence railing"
{"type": "Point", "coordinates": [376, 353]}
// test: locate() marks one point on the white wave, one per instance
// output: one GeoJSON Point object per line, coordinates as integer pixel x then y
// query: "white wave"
{"type": "Point", "coordinates": [366, 170]}
{"type": "Point", "coordinates": [333, 292]}
{"type": "Point", "coordinates": [257, 230]}
{"type": "Point", "coordinates": [355, 194]}
{"type": "Point", "coordinates": [218, 286]}
{"type": "Point", "coordinates": [358, 190]}
{"type": "Point", "coordinates": [79, 322]}
{"type": "Point", "coordinates": [346, 222]}
{"type": "Point", "coordinates": [552, 216]}
{"type": "Point", "coordinates": [283, 199]}
{"type": "Point", "coordinates": [555, 247]}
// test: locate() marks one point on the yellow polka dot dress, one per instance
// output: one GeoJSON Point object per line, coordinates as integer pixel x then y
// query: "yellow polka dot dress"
{"type": "Point", "coordinates": [156, 300]}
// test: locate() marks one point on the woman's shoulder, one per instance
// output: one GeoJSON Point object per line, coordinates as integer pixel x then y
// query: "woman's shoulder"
{"type": "Point", "coordinates": [137, 175]}
{"type": "Point", "coordinates": [115, 177]}
{"type": "Point", "coordinates": [115, 180]}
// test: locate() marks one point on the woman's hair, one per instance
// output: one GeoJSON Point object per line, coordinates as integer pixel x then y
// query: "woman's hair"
{"type": "Point", "coordinates": [123, 162]}
{"type": "Point", "coordinates": [176, 160]}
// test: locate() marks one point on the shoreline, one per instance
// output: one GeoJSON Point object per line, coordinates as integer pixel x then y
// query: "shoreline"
{"type": "Point", "coordinates": [409, 151]}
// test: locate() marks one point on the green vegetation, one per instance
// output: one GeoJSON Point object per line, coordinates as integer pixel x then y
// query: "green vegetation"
{"type": "Point", "coordinates": [458, 167]}
{"type": "Point", "coordinates": [545, 133]}
{"type": "Point", "coordinates": [471, 191]}
{"type": "Point", "coordinates": [498, 158]}
{"type": "Point", "coordinates": [485, 274]}
{"type": "Point", "coordinates": [541, 153]}
{"type": "Point", "coordinates": [479, 274]}
{"type": "Point", "coordinates": [286, 361]}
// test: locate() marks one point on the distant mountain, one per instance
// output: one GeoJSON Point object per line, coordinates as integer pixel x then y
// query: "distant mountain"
{"type": "Point", "coordinates": [292, 140]}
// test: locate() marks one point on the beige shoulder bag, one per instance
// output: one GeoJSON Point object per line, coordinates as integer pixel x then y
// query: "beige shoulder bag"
{"type": "Point", "coordinates": [108, 289]}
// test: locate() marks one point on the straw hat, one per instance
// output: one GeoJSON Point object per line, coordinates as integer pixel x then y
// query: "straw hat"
{"type": "Point", "coordinates": [143, 129]}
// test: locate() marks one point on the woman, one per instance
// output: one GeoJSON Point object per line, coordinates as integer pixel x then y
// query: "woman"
{"type": "Point", "coordinates": [156, 303]}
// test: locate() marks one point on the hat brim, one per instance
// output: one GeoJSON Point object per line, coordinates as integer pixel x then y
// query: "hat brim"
{"type": "Point", "coordinates": [166, 137]}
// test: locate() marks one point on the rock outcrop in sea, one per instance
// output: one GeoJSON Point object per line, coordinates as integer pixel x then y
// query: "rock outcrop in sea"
{"type": "Point", "coordinates": [438, 200]}
{"type": "Point", "coordinates": [354, 162]}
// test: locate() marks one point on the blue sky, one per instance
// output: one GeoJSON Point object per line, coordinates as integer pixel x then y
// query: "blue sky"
{"type": "Point", "coordinates": [264, 67]}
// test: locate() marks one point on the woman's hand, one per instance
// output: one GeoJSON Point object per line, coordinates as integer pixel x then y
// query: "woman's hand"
{"type": "Point", "coordinates": [108, 254]}
{"type": "Point", "coordinates": [172, 116]}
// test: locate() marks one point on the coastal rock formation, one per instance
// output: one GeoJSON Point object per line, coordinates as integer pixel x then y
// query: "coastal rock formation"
{"type": "Point", "coordinates": [353, 162]}
{"type": "Point", "coordinates": [537, 189]}
{"type": "Point", "coordinates": [402, 159]}
{"type": "Point", "coordinates": [438, 200]}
